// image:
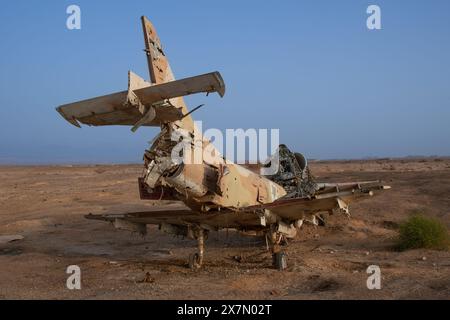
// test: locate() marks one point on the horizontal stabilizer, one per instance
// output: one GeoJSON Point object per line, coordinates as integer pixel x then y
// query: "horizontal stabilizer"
{"type": "Point", "coordinates": [133, 107]}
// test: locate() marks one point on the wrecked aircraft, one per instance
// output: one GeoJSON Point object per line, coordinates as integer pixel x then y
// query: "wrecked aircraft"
{"type": "Point", "coordinates": [272, 205]}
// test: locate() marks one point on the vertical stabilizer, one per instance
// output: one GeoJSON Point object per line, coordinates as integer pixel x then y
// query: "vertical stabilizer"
{"type": "Point", "coordinates": [158, 65]}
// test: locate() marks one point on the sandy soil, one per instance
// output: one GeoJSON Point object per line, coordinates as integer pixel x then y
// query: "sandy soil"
{"type": "Point", "coordinates": [46, 205]}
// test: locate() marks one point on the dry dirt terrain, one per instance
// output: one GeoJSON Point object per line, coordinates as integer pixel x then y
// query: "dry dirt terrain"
{"type": "Point", "coordinates": [46, 204]}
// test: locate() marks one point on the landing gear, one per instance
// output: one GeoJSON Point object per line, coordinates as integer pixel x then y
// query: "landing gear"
{"type": "Point", "coordinates": [196, 259]}
{"type": "Point", "coordinates": [279, 258]}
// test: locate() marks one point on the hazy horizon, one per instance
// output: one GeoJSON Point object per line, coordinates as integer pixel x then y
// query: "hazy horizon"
{"type": "Point", "coordinates": [119, 163]}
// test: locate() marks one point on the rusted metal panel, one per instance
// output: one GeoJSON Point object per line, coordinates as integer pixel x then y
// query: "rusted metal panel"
{"type": "Point", "coordinates": [242, 187]}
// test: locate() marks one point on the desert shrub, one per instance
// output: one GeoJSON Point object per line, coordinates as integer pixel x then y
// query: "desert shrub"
{"type": "Point", "coordinates": [420, 231]}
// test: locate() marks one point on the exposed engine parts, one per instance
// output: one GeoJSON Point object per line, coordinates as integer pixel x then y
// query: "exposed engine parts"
{"type": "Point", "coordinates": [293, 174]}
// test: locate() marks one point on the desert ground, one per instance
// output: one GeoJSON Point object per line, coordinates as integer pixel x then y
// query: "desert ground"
{"type": "Point", "coordinates": [46, 205]}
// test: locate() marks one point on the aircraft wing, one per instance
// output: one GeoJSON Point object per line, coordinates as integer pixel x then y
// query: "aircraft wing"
{"type": "Point", "coordinates": [328, 198]}
{"type": "Point", "coordinates": [130, 107]}
{"type": "Point", "coordinates": [182, 217]}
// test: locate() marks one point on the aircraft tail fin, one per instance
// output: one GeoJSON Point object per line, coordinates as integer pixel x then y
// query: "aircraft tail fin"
{"type": "Point", "coordinates": [161, 73]}
{"type": "Point", "coordinates": [158, 64]}
{"type": "Point", "coordinates": [153, 103]}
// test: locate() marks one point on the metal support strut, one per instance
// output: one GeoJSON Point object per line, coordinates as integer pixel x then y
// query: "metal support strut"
{"type": "Point", "coordinates": [278, 255]}
{"type": "Point", "coordinates": [201, 246]}
{"type": "Point", "coordinates": [196, 259]}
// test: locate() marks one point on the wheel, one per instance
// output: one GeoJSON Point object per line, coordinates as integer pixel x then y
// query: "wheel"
{"type": "Point", "coordinates": [194, 261]}
{"type": "Point", "coordinates": [280, 260]}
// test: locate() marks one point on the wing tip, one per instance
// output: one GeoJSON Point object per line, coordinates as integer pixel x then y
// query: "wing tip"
{"type": "Point", "coordinates": [72, 120]}
{"type": "Point", "coordinates": [221, 89]}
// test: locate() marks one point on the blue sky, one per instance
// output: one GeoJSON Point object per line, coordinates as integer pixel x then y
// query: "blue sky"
{"type": "Point", "coordinates": [310, 68]}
